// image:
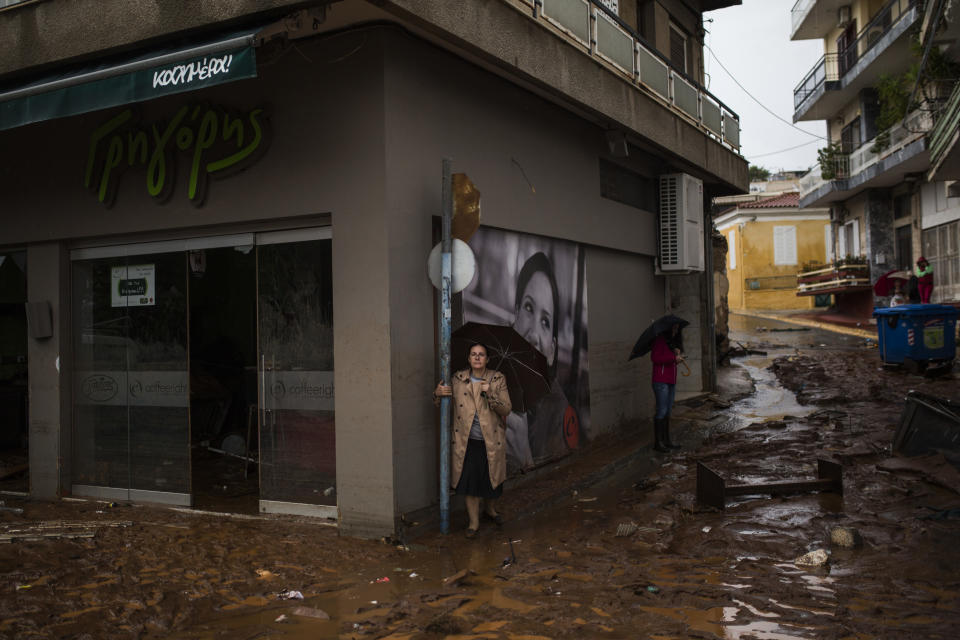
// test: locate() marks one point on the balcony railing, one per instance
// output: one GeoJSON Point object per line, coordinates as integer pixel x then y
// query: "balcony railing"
{"type": "Point", "coordinates": [879, 25]}
{"type": "Point", "coordinates": [916, 125]}
{"type": "Point", "coordinates": [799, 12]}
{"type": "Point", "coordinates": [834, 66]}
{"type": "Point", "coordinates": [600, 33]}
{"type": "Point", "coordinates": [942, 136]}
{"type": "Point", "coordinates": [824, 71]}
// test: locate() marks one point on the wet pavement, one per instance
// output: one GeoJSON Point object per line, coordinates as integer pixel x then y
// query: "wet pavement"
{"type": "Point", "coordinates": [613, 544]}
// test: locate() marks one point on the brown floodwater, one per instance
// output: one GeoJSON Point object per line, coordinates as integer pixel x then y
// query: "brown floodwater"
{"type": "Point", "coordinates": [557, 568]}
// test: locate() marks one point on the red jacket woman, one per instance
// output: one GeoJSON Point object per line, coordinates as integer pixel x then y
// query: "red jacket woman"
{"type": "Point", "coordinates": [664, 356]}
{"type": "Point", "coordinates": [664, 361]}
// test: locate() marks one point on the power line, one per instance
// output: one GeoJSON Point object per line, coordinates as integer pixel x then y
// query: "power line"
{"type": "Point", "coordinates": [765, 108]}
{"type": "Point", "coordinates": [773, 153]}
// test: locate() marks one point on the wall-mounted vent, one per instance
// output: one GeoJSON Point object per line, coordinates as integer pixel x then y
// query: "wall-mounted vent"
{"type": "Point", "coordinates": [681, 223]}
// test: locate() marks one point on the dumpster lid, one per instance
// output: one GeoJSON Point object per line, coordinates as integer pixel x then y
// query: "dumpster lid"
{"type": "Point", "coordinates": [917, 310]}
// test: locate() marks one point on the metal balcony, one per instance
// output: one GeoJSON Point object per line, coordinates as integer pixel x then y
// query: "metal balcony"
{"type": "Point", "coordinates": [870, 166]}
{"type": "Point", "coordinates": [882, 46]}
{"type": "Point", "coordinates": [813, 19]}
{"type": "Point", "coordinates": [601, 34]}
{"type": "Point", "coordinates": [944, 147]}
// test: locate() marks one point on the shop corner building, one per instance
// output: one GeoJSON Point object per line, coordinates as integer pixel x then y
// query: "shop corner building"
{"type": "Point", "coordinates": [215, 227]}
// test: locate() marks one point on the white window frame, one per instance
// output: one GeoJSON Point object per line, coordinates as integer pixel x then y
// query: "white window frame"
{"type": "Point", "coordinates": [732, 249]}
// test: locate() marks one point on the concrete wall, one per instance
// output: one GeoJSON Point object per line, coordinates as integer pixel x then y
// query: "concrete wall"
{"type": "Point", "coordinates": [48, 384]}
{"type": "Point", "coordinates": [625, 297]}
{"type": "Point", "coordinates": [46, 32]}
{"type": "Point", "coordinates": [879, 233]}
{"type": "Point", "coordinates": [512, 44]}
{"type": "Point", "coordinates": [537, 168]}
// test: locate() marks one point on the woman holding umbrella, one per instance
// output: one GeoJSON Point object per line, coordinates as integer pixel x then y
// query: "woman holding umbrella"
{"type": "Point", "coordinates": [666, 353]}
{"type": "Point", "coordinates": [480, 403]}
{"type": "Point", "coordinates": [665, 343]}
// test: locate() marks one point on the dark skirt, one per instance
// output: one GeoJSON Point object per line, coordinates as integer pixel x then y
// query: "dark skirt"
{"type": "Point", "coordinates": [475, 477]}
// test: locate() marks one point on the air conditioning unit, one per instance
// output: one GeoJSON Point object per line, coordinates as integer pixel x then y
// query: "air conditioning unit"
{"type": "Point", "coordinates": [843, 16]}
{"type": "Point", "coordinates": [681, 223]}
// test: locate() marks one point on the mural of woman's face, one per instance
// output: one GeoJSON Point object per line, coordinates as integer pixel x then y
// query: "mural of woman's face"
{"type": "Point", "coordinates": [536, 316]}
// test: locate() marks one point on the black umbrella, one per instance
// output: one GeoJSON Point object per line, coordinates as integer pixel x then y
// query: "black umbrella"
{"type": "Point", "coordinates": [661, 325]}
{"type": "Point", "coordinates": [525, 368]}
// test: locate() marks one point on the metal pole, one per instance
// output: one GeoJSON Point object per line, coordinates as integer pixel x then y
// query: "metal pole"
{"type": "Point", "coordinates": [446, 260]}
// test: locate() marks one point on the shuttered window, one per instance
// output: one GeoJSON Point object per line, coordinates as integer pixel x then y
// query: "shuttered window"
{"type": "Point", "coordinates": [784, 245]}
{"type": "Point", "coordinates": [732, 250]}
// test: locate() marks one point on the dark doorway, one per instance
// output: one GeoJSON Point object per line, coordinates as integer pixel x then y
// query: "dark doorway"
{"type": "Point", "coordinates": [223, 379]}
{"type": "Point", "coordinates": [904, 239]}
{"type": "Point", "coordinates": [14, 442]}
{"type": "Point", "coordinates": [846, 51]}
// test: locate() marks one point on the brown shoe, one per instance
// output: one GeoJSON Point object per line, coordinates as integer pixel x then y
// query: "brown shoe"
{"type": "Point", "coordinates": [471, 533]}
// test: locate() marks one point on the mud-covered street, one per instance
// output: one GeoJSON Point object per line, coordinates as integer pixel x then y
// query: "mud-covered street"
{"type": "Point", "coordinates": [611, 545]}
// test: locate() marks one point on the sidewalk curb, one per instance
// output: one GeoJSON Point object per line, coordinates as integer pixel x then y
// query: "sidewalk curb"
{"type": "Point", "coordinates": [807, 322]}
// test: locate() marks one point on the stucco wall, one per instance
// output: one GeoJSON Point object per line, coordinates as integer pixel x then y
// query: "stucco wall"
{"type": "Point", "coordinates": [537, 168]}
{"type": "Point", "coordinates": [756, 260]}
{"type": "Point", "coordinates": [46, 32]}
{"type": "Point", "coordinates": [625, 297]}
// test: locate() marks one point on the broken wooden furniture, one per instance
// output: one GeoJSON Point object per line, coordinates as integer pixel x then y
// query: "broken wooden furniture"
{"type": "Point", "coordinates": [714, 490]}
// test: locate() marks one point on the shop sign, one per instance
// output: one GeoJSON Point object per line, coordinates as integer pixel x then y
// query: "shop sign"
{"type": "Point", "coordinates": [133, 388]}
{"type": "Point", "coordinates": [133, 286]}
{"type": "Point", "coordinates": [302, 390]}
{"type": "Point", "coordinates": [213, 141]}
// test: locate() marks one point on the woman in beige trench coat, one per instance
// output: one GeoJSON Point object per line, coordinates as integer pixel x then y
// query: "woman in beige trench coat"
{"type": "Point", "coordinates": [480, 403]}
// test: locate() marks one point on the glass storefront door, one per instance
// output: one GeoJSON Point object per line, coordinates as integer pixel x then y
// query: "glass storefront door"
{"type": "Point", "coordinates": [140, 379]}
{"type": "Point", "coordinates": [131, 382]}
{"type": "Point", "coordinates": [295, 316]}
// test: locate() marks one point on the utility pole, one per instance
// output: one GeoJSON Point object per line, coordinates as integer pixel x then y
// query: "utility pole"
{"type": "Point", "coordinates": [446, 260]}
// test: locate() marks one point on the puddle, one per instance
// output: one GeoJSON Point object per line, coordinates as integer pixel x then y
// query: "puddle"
{"type": "Point", "coordinates": [770, 401]}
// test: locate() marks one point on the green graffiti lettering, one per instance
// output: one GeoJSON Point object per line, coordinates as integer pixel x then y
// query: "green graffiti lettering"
{"type": "Point", "coordinates": [137, 144]}
{"type": "Point", "coordinates": [114, 155]}
{"type": "Point", "coordinates": [197, 130]}
{"type": "Point", "coordinates": [184, 138]}
{"type": "Point", "coordinates": [231, 160]}
{"type": "Point", "coordinates": [205, 140]}
{"type": "Point", "coordinates": [233, 126]}
{"type": "Point", "coordinates": [98, 134]}
{"type": "Point", "coordinates": [157, 169]}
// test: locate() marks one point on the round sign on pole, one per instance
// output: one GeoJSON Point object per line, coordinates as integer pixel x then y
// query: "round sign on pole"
{"type": "Point", "coordinates": [464, 266]}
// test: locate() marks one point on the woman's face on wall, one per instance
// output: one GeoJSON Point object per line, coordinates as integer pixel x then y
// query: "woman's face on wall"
{"type": "Point", "coordinates": [536, 316]}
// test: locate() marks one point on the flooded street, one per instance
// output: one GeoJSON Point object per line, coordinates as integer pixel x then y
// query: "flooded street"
{"type": "Point", "coordinates": [611, 545]}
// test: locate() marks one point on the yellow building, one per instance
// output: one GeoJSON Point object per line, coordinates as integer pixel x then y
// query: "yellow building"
{"type": "Point", "coordinates": [768, 241]}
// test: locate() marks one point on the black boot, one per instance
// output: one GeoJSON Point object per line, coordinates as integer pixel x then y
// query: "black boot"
{"type": "Point", "coordinates": [665, 434]}
{"type": "Point", "coordinates": [658, 444]}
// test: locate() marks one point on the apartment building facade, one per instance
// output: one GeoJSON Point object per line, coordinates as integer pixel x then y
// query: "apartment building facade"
{"type": "Point", "coordinates": [213, 203]}
{"type": "Point", "coordinates": [873, 178]}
